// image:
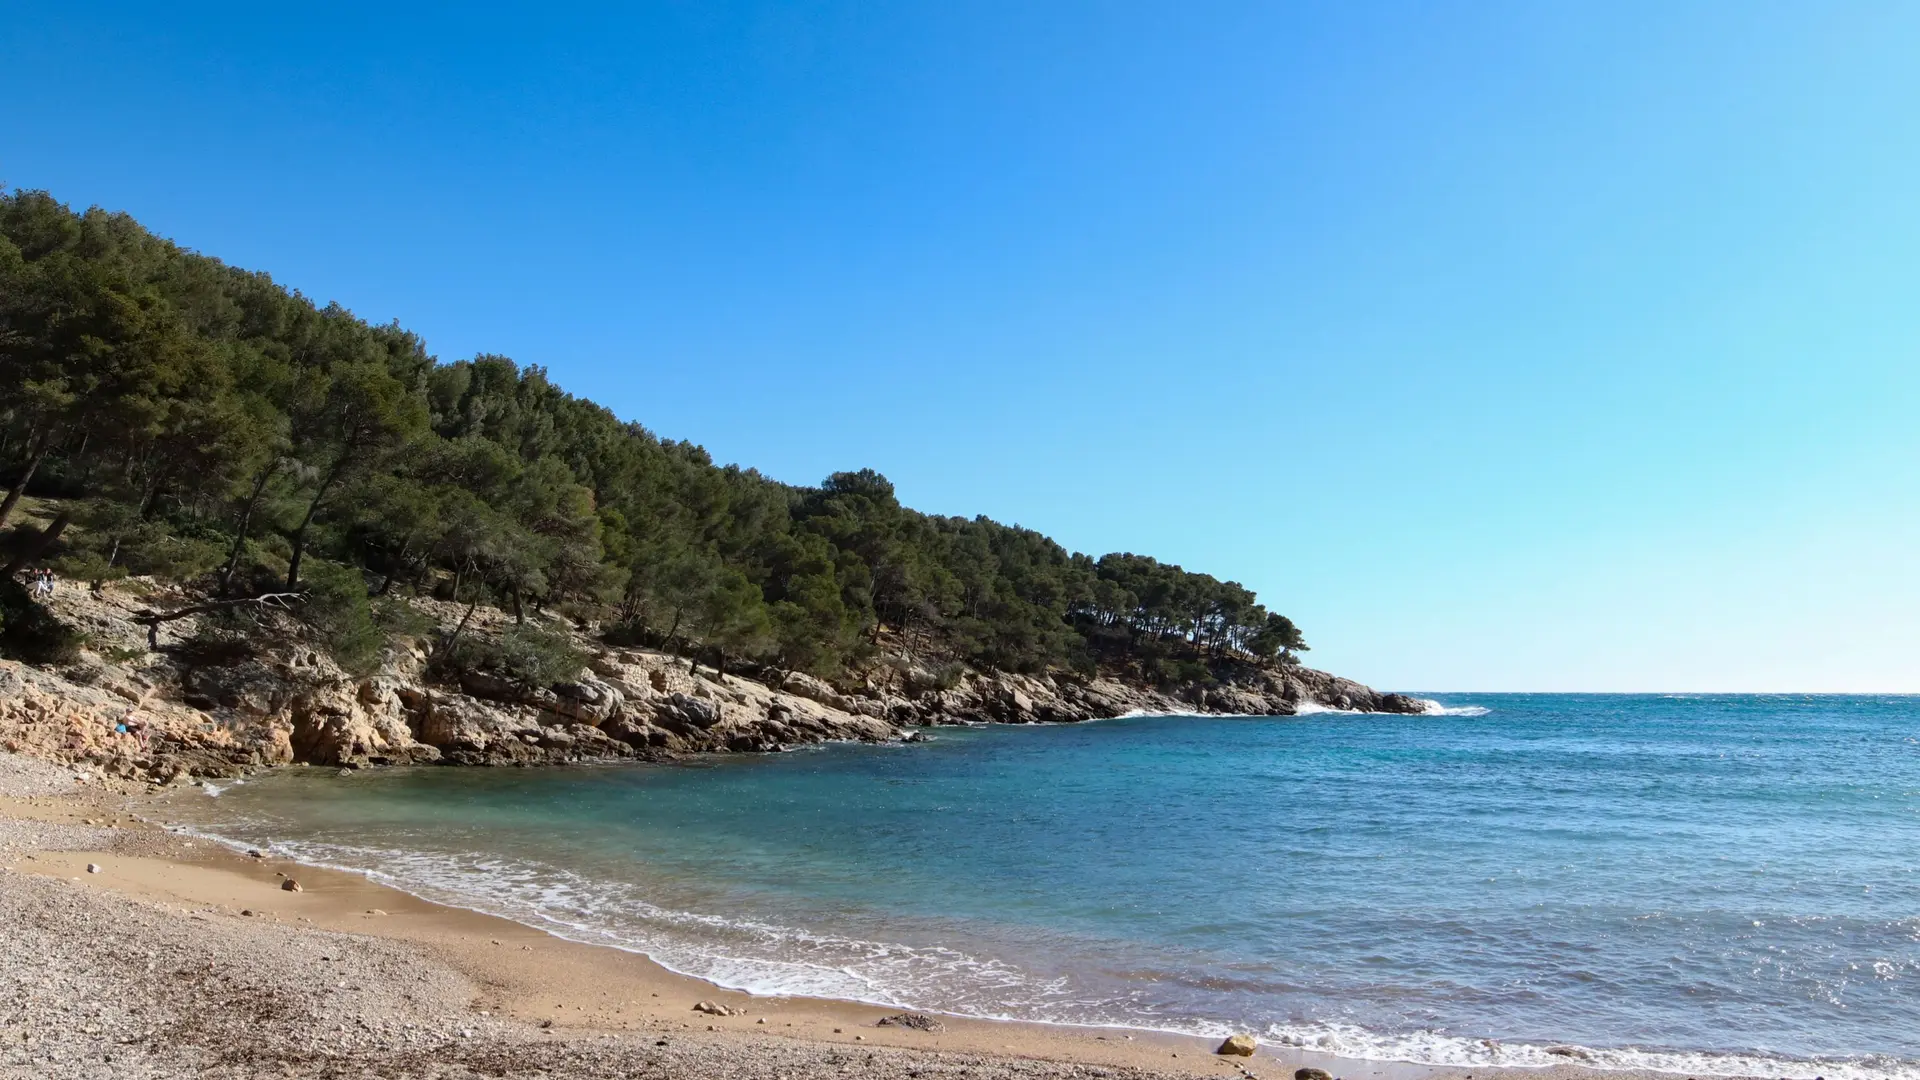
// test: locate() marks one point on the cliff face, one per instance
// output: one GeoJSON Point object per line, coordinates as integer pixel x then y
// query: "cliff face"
{"type": "Point", "coordinates": [183, 710]}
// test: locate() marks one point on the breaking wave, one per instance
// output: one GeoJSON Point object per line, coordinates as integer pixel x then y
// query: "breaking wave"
{"type": "Point", "coordinates": [1433, 1048]}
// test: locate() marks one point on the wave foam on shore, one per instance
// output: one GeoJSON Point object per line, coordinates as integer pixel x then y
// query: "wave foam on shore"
{"type": "Point", "coordinates": [1434, 1048]}
{"type": "Point", "coordinates": [744, 955]}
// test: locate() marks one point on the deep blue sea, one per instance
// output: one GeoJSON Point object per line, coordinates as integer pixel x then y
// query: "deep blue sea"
{"type": "Point", "coordinates": [1680, 882]}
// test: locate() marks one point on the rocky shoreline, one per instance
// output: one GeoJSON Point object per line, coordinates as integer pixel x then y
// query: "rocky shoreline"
{"type": "Point", "coordinates": [181, 710]}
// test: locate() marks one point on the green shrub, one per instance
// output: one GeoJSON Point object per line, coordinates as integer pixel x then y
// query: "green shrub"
{"type": "Point", "coordinates": [630, 635]}
{"type": "Point", "coordinates": [525, 654]}
{"type": "Point", "coordinates": [31, 633]}
{"type": "Point", "coordinates": [173, 558]}
{"type": "Point", "coordinates": [398, 618]}
{"type": "Point", "coordinates": [338, 610]}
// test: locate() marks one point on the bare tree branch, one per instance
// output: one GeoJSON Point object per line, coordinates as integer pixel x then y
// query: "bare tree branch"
{"type": "Point", "coordinates": [152, 619]}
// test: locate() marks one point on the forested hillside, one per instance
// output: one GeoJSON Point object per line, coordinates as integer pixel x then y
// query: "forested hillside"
{"type": "Point", "coordinates": [200, 423]}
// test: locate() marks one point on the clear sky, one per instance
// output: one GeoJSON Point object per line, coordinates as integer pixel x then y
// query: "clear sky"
{"type": "Point", "coordinates": [1504, 346]}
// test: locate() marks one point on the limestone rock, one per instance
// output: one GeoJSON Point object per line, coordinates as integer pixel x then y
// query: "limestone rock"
{"type": "Point", "coordinates": [1237, 1046]}
{"type": "Point", "coordinates": [803, 685]}
{"type": "Point", "coordinates": [684, 712]}
{"type": "Point", "coordinates": [587, 700]}
{"type": "Point", "coordinates": [916, 1021]}
{"type": "Point", "coordinates": [203, 705]}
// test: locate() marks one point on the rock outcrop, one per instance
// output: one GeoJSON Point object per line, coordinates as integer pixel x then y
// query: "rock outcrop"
{"type": "Point", "coordinates": [192, 708]}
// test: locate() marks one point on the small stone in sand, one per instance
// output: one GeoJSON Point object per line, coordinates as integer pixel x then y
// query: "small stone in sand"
{"type": "Point", "coordinates": [1311, 1074]}
{"type": "Point", "coordinates": [375, 911]}
{"type": "Point", "coordinates": [291, 885]}
{"type": "Point", "coordinates": [93, 868]}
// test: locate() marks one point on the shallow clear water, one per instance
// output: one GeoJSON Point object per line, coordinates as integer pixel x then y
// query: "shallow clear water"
{"type": "Point", "coordinates": [1677, 882]}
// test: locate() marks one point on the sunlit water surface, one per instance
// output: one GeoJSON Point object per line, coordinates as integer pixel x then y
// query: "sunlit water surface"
{"type": "Point", "coordinates": [1689, 883]}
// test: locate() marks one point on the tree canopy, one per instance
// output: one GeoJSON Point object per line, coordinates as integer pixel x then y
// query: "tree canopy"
{"type": "Point", "coordinates": [223, 429]}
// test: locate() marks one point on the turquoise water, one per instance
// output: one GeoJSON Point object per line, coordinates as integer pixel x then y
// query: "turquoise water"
{"type": "Point", "coordinates": [1676, 882]}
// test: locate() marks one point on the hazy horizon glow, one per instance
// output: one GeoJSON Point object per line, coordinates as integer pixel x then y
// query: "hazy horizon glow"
{"type": "Point", "coordinates": [1503, 346]}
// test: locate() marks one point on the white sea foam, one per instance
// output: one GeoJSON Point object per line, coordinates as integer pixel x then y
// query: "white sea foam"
{"type": "Point", "coordinates": [1435, 708]}
{"type": "Point", "coordinates": [1314, 708]}
{"type": "Point", "coordinates": [762, 958]}
{"type": "Point", "coordinates": [738, 954]}
{"type": "Point", "coordinates": [1433, 1048]}
{"type": "Point", "coordinates": [1429, 707]}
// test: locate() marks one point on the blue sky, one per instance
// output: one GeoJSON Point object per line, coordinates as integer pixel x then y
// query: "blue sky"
{"type": "Point", "coordinates": [1504, 346]}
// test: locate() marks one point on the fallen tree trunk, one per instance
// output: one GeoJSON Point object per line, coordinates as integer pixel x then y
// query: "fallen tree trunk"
{"type": "Point", "coordinates": [152, 619]}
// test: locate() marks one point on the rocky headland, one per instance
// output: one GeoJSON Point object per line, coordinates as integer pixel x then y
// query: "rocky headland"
{"type": "Point", "coordinates": [166, 707]}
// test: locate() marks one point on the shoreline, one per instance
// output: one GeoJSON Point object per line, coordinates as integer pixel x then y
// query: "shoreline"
{"type": "Point", "coordinates": [556, 992]}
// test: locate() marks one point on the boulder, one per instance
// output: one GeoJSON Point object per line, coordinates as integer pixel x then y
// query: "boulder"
{"type": "Point", "coordinates": [488, 686]}
{"type": "Point", "coordinates": [681, 712]}
{"type": "Point", "coordinates": [803, 685]}
{"type": "Point", "coordinates": [1311, 1074]}
{"type": "Point", "coordinates": [588, 700]}
{"type": "Point", "coordinates": [1237, 1046]}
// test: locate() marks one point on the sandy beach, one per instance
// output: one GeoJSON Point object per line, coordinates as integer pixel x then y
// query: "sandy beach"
{"type": "Point", "coordinates": [179, 957]}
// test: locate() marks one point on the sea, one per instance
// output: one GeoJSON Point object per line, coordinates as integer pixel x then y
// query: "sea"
{"type": "Point", "coordinates": [1702, 884]}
